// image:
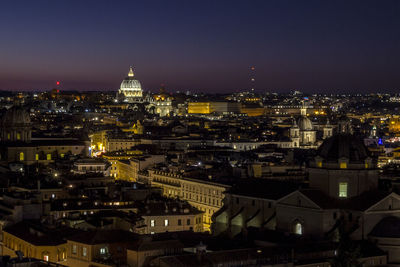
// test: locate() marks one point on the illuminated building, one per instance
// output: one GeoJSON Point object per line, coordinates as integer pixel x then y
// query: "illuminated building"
{"type": "Point", "coordinates": [327, 130]}
{"type": "Point", "coordinates": [18, 145]}
{"type": "Point", "coordinates": [137, 128]}
{"type": "Point", "coordinates": [170, 216]}
{"type": "Point", "coordinates": [206, 196]}
{"type": "Point", "coordinates": [93, 248]}
{"type": "Point", "coordinates": [131, 88]}
{"type": "Point", "coordinates": [302, 132]}
{"type": "Point", "coordinates": [115, 156]}
{"type": "Point", "coordinates": [35, 241]}
{"type": "Point", "coordinates": [252, 110]}
{"type": "Point", "coordinates": [128, 170]}
{"type": "Point", "coordinates": [160, 104]}
{"type": "Point", "coordinates": [394, 125]}
{"type": "Point", "coordinates": [213, 107]}
{"type": "Point", "coordinates": [115, 144]}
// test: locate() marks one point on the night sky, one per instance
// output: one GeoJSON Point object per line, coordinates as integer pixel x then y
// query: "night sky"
{"type": "Point", "coordinates": [314, 46]}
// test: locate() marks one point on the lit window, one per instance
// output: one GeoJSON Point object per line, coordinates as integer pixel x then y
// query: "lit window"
{"type": "Point", "coordinates": [166, 222]}
{"type": "Point", "coordinates": [37, 157]}
{"type": "Point", "coordinates": [48, 156]}
{"type": "Point", "coordinates": [62, 155]}
{"type": "Point", "coordinates": [319, 164]}
{"type": "Point", "coordinates": [21, 156]}
{"type": "Point", "coordinates": [8, 136]}
{"type": "Point", "coordinates": [46, 257]}
{"type": "Point", "coordinates": [152, 223]}
{"type": "Point", "coordinates": [342, 189]}
{"type": "Point", "coordinates": [366, 165]}
{"type": "Point", "coordinates": [73, 249]}
{"type": "Point", "coordinates": [18, 136]}
{"type": "Point", "coordinates": [103, 251]}
{"type": "Point", "coordinates": [84, 251]}
{"type": "Point", "coordinates": [343, 165]}
{"type": "Point", "coordinates": [298, 229]}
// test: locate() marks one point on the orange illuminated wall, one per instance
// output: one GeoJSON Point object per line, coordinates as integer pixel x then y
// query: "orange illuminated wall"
{"type": "Point", "coordinates": [253, 112]}
{"type": "Point", "coordinates": [394, 126]}
{"type": "Point", "coordinates": [199, 108]}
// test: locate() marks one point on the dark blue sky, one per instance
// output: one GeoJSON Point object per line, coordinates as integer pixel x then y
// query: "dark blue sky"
{"type": "Point", "coordinates": [315, 46]}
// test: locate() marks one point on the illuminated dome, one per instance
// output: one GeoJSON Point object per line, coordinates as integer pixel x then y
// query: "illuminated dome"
{"type": "Point", "coordinates": [131, 88]}
{"type": "Point", "coordinates": [305, 124]}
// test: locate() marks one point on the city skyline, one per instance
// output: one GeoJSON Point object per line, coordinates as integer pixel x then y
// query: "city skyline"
{"type": "Point", "coordinates": [210, 46]}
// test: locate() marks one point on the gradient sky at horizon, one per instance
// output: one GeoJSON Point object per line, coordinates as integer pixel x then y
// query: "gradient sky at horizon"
{"type": "Point", "coordinates": [313, 45]}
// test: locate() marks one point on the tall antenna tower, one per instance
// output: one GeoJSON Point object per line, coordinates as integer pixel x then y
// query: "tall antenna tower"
{"type": "Point", "coordinates": [252, 78]}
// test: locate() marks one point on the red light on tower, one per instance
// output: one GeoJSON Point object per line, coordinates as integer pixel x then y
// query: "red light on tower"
{"type": "Point", "coordinates": [57, 83]}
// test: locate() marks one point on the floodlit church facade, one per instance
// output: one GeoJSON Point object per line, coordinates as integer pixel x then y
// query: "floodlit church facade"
{"type": "Point", "coordinates": [302, 132]}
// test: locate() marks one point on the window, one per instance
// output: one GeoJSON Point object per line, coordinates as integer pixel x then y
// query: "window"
{"type": "Point", "coordinates": [46, 257]}
{"type": "Point", "coordinates": [48, 156]}
{"type": "Point", "coordinates": [21, 156]}
{"type": "Point", "coordinates": [342, 189]}
{"type": "Point", "coordinates": [62, 155]}
{"type": "Point", "coordinates": [18, 136]}
{"type": "Point", "coordinates": [37, 156]}
{"type": "Point", "coordinates": [152, 223]}
{"type": "Point", "coordinates": [166, 222]}
{"type": "Point", "coordinates": [84, 251]}
{"type": "Point", "coordinates": [298, 228]}
{"type": "Point", "coordinates": [319, 164]}
{"type": "Point", "coordinates": [73, 249]}
{"type": "Point", "coordinates": [8, 136]}
{"type": "Point", "coordinates": [188, 221]}
{"type": "Point", "coordinates": [102, 251]}
{"type": "Point", "coordinates": [343, 165]}
{"type": "Point", "coordinates": [179, 222]}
